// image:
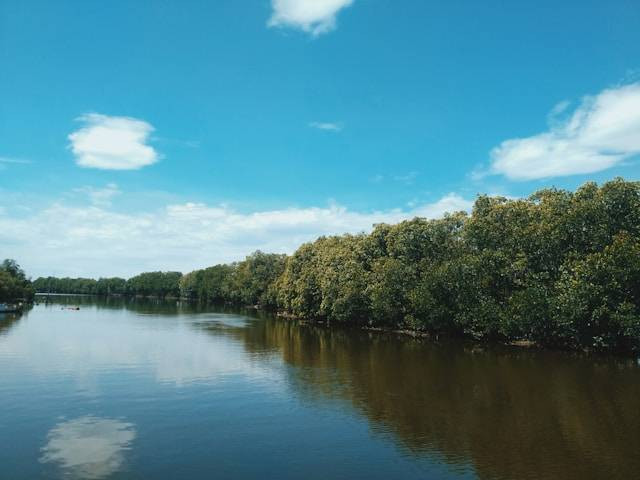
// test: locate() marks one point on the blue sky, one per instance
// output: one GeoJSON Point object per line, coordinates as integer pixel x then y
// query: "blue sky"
{"type": "Point", "coordinates": [178, 134]}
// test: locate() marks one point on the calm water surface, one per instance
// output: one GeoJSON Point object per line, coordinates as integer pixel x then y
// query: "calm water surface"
{"type": "Point", "coordinates": [131, 390]}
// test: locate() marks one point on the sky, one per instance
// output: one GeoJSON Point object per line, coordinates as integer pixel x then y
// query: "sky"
{"type": "Point", "coordinates": [177, 134]}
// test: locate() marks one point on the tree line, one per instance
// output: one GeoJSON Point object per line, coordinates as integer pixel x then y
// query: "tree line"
{"type": "Point", "coordinates": [558, 268]}
{"type": "Point", "coordinates": [248, 283]}
{"type": "Point", "coordinates": [14, 284]}
{"type": "Point", "coordinates": [156, 284]}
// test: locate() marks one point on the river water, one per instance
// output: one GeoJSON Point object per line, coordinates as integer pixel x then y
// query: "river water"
{"type": "Point", "coordinates": [129, 389]}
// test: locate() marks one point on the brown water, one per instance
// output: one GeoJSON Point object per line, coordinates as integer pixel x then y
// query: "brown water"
{"type": "Point", "coordinates": [166, 390]}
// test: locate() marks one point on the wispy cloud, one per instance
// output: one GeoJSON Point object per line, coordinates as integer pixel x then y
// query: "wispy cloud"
{"type": "Point", "coordinates": [13, 160]}
{"type": "Point", "coordinates": [327, 126]}
{"type": "Point", "coordinates": [312, 16]}
{"type": "Point", "coordinates": [603, 131]}
{"type": "Point", "coordinates": [407, 179]}
{"type": "Point", "coordinates": [5, 161]}
{"type": "Point", "coordinates": [112, 143]}
{"type": "Point", "coordinates": [556, 117]}
{"type": "Point", "coordinates": [96, 240]}
{"type": "Point", "coordinates": [100, 197]}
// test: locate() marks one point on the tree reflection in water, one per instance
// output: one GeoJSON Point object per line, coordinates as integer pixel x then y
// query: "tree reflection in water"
{"type": "Point", "coordinates": [512, 413]}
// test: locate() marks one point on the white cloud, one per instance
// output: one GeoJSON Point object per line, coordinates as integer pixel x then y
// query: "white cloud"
{"type": "Point", "coordinates": [311, 16]}
{"type": "Point", "coordinates": [112, 143]}
{"type": "Point", "coordinates": [100, 197]}
{"type": "Point", "coordinates": [335, 127]}
{"type": "Point", "coordinates": [447, 204]}
{"type": "Point", "coordinates": [602, 131]}
{"type": "Point", "coordinates": [97, 241]}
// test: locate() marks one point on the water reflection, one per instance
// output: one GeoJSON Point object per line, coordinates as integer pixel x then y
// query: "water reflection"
{"type": "Point", "coordinates": [514, 414]}
{"type": "Point", "coordinates": [497, 413]}
{"type": "Point", "coordinates": [150, 306]}
{"type": "Point", "coordinates": [85, 344]}
{"type": "Point", "coordinates": [7, 322]}
{"type": "Point", "coordinates": [88, 447]}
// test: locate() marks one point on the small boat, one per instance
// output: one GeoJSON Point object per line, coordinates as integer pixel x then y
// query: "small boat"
{"type": "Point", "coordinates": [10, 307]}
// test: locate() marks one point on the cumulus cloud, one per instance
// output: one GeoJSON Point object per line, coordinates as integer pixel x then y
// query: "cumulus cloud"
{"type": "Point", "coordinates": [603, 131]}
{"type": "Point", "coordinates": [330, 126]}
{"type": "Point", "coordinates": [112, 143]}
{"type": "Point", "coordinates": [311, 16]}
{"type": "Point", "coordinates": [95, 240]}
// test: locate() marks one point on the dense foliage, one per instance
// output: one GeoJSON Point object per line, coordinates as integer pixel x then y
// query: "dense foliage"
{"type": "Point", "coordinates": [86, 286]}
{"type": "Point", "coordinates": [159, 284]}
{"type": "Point", "coordinates": [249, 282]}
{"type": "Point", "coordinates": [558, 268]}
{"type": "Point", "coordinates": [14, 285]}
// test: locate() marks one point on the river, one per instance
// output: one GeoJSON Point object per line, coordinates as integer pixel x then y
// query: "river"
{"type": "Point", "coordinates": [141, 389]}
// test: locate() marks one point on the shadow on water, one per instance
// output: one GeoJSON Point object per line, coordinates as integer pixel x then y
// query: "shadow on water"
{"type": "Point", "coordinates": [512, 413]}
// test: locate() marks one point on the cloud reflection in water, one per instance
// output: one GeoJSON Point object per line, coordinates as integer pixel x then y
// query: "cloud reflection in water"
{"type": "Point", "coordinates": [88, 447]}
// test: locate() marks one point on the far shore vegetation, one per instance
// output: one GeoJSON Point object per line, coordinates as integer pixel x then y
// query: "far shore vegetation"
{"type": "Point", "coordinates": [560, 269]}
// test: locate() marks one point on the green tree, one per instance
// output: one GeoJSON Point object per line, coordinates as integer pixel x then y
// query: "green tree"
{"type": "Point", "coordinates": [14, 284]}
